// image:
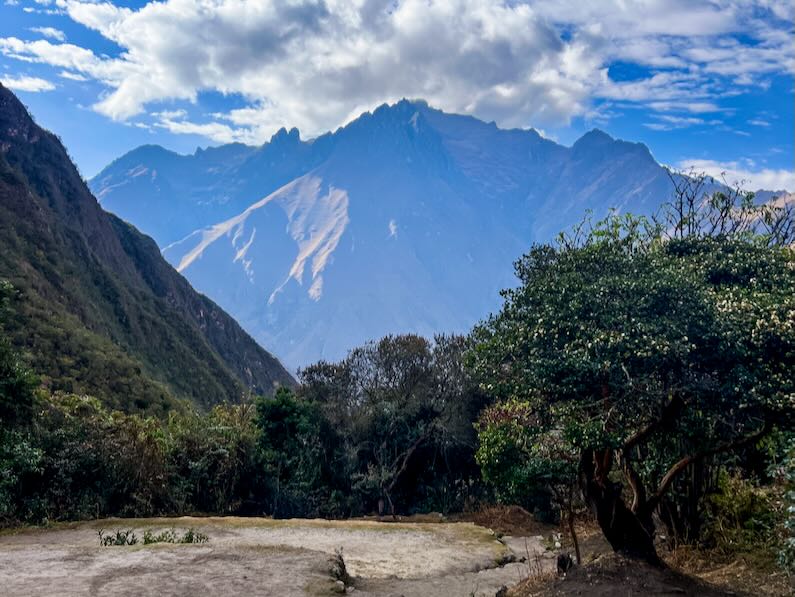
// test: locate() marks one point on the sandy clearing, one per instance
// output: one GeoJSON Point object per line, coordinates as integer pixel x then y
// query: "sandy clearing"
{"type": "Point", "coordinates": [250, 556]}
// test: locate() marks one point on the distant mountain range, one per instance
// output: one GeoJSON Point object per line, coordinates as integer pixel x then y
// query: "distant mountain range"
{"type": "Point", "coordinates": [99, 311]}
{"type": "Point", "coordinates": [407, 219]}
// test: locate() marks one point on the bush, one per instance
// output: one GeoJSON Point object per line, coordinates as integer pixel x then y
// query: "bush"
{"type": "Point", "coordinates": [742, 519]}
{"type": "Point", "coordinates": [786, 475]}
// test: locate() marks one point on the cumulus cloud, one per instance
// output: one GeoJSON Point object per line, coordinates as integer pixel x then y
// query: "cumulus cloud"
{"type": "Point", "coordinates": [25, 83]}
{"type": "Point", "coordinates": [316, 64]}
{"type": "Point", "coordinates": [743, 173]}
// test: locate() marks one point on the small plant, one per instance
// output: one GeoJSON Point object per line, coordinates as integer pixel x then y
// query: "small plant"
{"type": "Point", "coordinates": [150, 537]}
{"type": "Point", "coordinates": [192, 536]}
{"type": "Point", "coordinates": [127, 537]}
{"type": "Point", "coordinates": [169, 536]}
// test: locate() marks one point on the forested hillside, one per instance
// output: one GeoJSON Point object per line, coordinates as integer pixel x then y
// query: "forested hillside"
{"type": "Point", "coordinates": [97, 310]}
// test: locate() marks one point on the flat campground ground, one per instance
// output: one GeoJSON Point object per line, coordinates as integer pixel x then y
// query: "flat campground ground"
{"type": "Point", "coordinates": [257, 556]}
{"type": "Point", "coordinates": [418, 557]}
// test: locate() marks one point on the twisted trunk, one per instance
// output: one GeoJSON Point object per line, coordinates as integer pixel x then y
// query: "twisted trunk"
{"type": "Point", "coordinates": [628, 532]}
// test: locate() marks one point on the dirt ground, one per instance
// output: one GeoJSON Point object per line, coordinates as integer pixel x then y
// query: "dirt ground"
{"type": "Point", "coordinates": [698, 574]}
{"type": "Point", "coordinates": [250, 556]}
{"type": "Point", "coordinates": [611, 574]}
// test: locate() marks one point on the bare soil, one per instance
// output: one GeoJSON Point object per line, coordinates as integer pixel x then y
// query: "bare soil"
{"type": "Point", "coordinates": [252, 556]}
{"type": "Point", "coordinates": [612, 574]}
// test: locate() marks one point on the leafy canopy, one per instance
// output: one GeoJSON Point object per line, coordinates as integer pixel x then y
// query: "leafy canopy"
{"type": "Point", "coordinates": [644, 349]}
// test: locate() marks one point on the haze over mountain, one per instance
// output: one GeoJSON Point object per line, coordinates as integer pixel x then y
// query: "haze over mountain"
{"type": "Point", "coordinates": [99, 310]}
{"type": "Point", "coordinates": [407, 219]}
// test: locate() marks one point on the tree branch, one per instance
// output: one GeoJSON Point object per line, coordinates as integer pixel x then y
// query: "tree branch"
{"type": "Point", "coordinates": [669, 413]}
{"type": "Point", "coordinates": [404, 458]}
{"type": "Point", "coordinates": [635, 483]}
{"type": "Point", "coordinates": [690, 459]}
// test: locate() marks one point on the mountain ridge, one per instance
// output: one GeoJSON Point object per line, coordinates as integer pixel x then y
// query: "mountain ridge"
{"type": "Point", "coordinates": [437, 207]}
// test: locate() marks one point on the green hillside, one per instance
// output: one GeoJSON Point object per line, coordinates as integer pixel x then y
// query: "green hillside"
{"type": "Point", "coordinates": [98, 310]}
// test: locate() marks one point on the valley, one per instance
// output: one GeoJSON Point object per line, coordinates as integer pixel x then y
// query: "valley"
{"type": "Point", "coordinates": [532, 337]}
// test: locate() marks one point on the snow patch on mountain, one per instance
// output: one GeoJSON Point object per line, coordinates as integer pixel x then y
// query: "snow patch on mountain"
{"type": "Point", "coordinates": [316, 223]}
{"type": "Point", "coordinates": [241, 254]}
{"type": "Point", "coordinates": [317, 217]}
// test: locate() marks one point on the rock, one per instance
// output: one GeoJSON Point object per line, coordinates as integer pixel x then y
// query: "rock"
{"type": "Point", "coordinates": [565, 563]}
{"type": "Point", "coordinates": [337, 569]}
{"type": "Point", "coordinates": [501, 592]}
{"type": "Point", "coordinates": [339, 587]}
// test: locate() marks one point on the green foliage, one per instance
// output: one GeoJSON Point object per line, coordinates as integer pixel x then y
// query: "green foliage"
{"type": "Point", "coordinates": [391, 423]}
{"type": "Point", "coordinates": [519, 467]}
{"type": "Point", "coordinates": [19, 458]}
{"type": "Point", "coordinates": [171, 536]}
{"type": "Point", "coordinates": [786, 556]}
{"type": "Point", "coordinates": [117, 538]}
{"type": "Point", "coordinates": [100, 310]}
{"type": "Point", "coordinates": [128, 537]}
{"type": "Point", "coordinates": [742, 518]}
{"type": "Point", "coordinates": [17, 382]}
{"type": "Point", "coordinates": [211, 459]}
{"type": "Point", "coordinates": [79, 460]}
{"type": "Point", "coordinates": [645, 352]}
{"type": "Point", "coordinates": [292, 452]}
{"type": "Point", "coordinates": [401, 411]}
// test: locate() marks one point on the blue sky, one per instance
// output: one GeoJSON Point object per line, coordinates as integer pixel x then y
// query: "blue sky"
{"type": "Point", "coordinates": [703, 83]}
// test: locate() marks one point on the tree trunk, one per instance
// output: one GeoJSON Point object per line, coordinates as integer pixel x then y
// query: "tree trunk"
{"type": "Point", "coordinates": [629, 533]}
{"type": "Point", "coordinates": [573, 533]}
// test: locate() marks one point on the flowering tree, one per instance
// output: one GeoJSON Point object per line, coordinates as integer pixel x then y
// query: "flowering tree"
{"type": "Point", "coordinates": [646, 352]}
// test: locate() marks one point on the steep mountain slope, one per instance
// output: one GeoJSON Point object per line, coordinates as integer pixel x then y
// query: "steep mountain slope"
{"type": "Point", "coordinates": [406, 219]}
{"type": "Point", "coordinates": [99, 310]}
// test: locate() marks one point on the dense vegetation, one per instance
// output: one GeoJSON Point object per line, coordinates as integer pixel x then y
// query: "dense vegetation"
{"type": "Point", "coordinates": [644, 362]}
{"type": "Point", "coordinates": [387, 429]}
{"type": "Point", "coordinates": [100, 311]}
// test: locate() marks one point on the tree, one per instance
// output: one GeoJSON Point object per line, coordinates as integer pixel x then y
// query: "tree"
{"type": "Point", "coordinates": [17, 382]}
{"type": "Point", "coordinates": [402, 409]}
{"type": "Point", "coordinates": [18, 456]}
{"type": "Point", "coordinates": [527, 464]}
{"type": "Point", "coordinates": [648, 348]}
{"type": "Point", "coordinates": [291, 450]}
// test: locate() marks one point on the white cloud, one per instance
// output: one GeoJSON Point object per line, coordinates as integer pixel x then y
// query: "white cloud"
{"type": "Point", "coordinates": [685, 106]}
{"type": "Point", "coordinates": [25, 83]}
{"type": "Point", "coordinates": [306, 63]}
{"type": "Point", "coordinates": [170, 114]}
{"type": "Point", "coordinates": [667, 122]}
{"type": "Point", "coordinates": [744, 173]}
{"type": "Point", "coordinates": [50, 32]}
{"type": "Point", "coordinates": [216, 131]}
{"type": "Point", "coordinates": [65, 74]}
{"type": "Point", "coordinates": [759, 122]}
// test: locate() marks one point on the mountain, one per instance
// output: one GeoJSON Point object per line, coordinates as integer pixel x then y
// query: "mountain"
{"type": "Point", "coordinates": [408, 219]}
{"type": "Point", "coordinates": [99, 310]}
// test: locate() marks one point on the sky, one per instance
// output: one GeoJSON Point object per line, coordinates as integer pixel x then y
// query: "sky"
{"type": "Point", "coordinates": [704, 84]}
